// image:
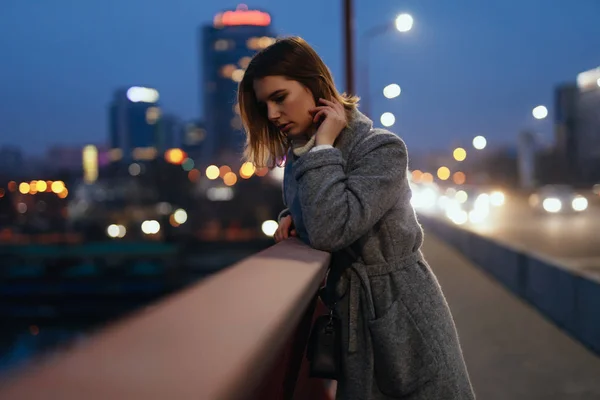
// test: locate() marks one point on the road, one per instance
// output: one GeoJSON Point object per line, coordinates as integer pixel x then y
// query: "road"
{"type": "Point", "coordinates": [511, 351]}
{"type": "Point", "coordinates": [571, 239]}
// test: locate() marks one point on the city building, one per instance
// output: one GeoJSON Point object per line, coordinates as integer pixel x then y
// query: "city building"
{"type": "Point", "coordinates": [227, 47]}
{"type": "Point", "coordinates": [527, 147]}
{"type": "Point", "coordinates": [135, 132]}
{"type": "Point", "coordinates": [11, 160]}
{"type": "Point", "coordinates": [577, 127]}
{"type": "Point", "coordinates": [193, 139]}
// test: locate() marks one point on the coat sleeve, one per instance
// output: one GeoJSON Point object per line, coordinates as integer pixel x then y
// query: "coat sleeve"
{"type": "Point", "coordinates": [338, 207]}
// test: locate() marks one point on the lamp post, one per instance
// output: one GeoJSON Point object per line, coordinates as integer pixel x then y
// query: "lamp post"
{"type": "Point", "coordinates": [348, 34]}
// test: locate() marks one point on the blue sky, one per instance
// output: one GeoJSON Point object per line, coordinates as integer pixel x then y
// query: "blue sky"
{"type": "Point", "coordinates": [468, 67]}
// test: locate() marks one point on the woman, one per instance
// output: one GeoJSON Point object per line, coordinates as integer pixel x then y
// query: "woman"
{"type": "Point", "coordinates": [345, 187]}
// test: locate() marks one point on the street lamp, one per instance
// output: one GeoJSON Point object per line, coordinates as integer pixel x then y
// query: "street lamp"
{"type": "Point", "coordinates": [540, 112]}
{"type": "Point", "coordinates": [479, 142]}
{"type": "Point", "coordinates": [459, 154]}
{"type": "Point", "coordinates": [392, 91]}
{"type": "Point", "coordinates": [403, 23]}
{"type": "Point", "coordinates": [387, 119]}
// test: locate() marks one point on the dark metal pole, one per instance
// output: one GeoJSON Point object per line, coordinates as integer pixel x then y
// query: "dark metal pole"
{"type": "Point", "coordinates": [365, 51]}
{"type": "Point", "coordinates": [349, 45]}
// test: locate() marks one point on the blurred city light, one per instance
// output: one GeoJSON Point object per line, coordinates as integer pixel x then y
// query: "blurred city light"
{"type": "Point", "coordinates": [459, 178]}
{"type": "Point", "coordinates": [404, 22]}
{"type": "Point", "coordinates": [262, 171]}
{"type": "Point", "coordinates": [540, 112]}
{"type": "Point", "coordinates": [392, 91]}
{"type": "Point", "coordinates": [116, 231]}
{"type": "Point", "coordinates": [387, 119]}
{"type": "Point", "coordinates": [443, 173]}
{"type": "Point", "coordinates": [194, 175]}
{"type": "Point", "coordinates": [175, 156]}
{"type": "Point", "coordinates": [187, 164]}
{"type": "Point", "coordinates": [237, 75]}
{"type": "Point", "coordinates": [142, 94]}
{"type": "Point", "coordinates": [461, 196]}
{"type": "Point", "coordinates": [579, 203]}
{"type": "Point", "coordinates": [219, 194]}
{"type": "Point", "coordinates": [135, 169]}
{"type": "Point", "coordinates": [212, 172]}
{"type": "Point", "coordinates": [224, 170]}
{"type": "Point", "coordinates": [247, 170]}
{"type": "Point", "coordinates": [90, 164]}
{"type": "Point", "coordinates": [497, 198]}
{"type": "Point", "coordinates": [180, 216]}
{"type": "Point", "coordinates": [552, 204]}
{"type": "Point", "coordinates": [459, 154]}
{"type": "Point", "coordinates": [24, 188]}
{"type": "Point", "coordinates": [424, 199]}
{"type": "Point", "coordinates": [479, 142]}
{"type": "Point", "coordinates": [427, 178]}
{"type": "Point", "coordinates": [150, 227]}
{"type": "Point", "coordinates": [152, 115]}
{"type": "Point", "coordinates": [230, 179]}
{"type": "Point", "coordinates": [269, 227]}
{"type": "Point", "coordinates": [41, 186]}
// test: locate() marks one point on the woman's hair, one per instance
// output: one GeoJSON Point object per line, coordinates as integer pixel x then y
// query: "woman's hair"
{"type": "Point", "coordinates": [294, 59]}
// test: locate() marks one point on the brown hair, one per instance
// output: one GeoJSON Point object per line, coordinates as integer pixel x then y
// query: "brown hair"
{"type": "Point", "coordinates": [294, 59]}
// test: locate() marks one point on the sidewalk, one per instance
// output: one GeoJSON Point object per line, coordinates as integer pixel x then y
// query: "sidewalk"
{"type": "Point", "coordinates": [512, 351]}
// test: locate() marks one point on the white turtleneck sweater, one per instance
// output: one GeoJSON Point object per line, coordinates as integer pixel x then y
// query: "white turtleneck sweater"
{"type": "Point", "coordinates": [302, 146]}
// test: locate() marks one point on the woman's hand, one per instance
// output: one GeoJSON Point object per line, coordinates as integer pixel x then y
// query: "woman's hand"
{"type": "Point", "coordinates": [334, 120]}
{"type": "Point", "coordinates": [285, 229]}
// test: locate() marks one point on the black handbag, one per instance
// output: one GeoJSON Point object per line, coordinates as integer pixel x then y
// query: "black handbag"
{"type": "Point", "coordinates": [324, 350]}
{"type": "Point", "coordinates": [324, 347]}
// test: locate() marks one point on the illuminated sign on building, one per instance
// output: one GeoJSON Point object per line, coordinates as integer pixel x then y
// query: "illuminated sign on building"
{"type": "Point", "coordinates": [242, 16]}
{"type": "Point", "coordinates": [589, 80]}
{"type": "Point", "coordinates": [138, 94]}
{"type": "Point", "coordinates": [90, 164]}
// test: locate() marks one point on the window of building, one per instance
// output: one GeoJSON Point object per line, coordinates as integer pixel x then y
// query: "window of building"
{"type": "Point", "coordinates": [224, 44]}
{"type": "Point", "coordinates": [227, 71]}
{"type": "Point", "coordinates": [244, 62]}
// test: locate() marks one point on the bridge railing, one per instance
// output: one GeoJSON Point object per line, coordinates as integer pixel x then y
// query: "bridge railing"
{"type": "Point", "coordinates": [239, 334]}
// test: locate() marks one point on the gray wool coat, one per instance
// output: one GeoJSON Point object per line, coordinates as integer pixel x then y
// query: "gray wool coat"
{"type": "Point", "coordinates": [399, 338]}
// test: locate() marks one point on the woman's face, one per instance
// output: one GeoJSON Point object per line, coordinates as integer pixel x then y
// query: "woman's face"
{"type": "Point", "coordinates": [287, 102]}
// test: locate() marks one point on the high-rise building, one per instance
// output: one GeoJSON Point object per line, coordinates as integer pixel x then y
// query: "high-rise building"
{"type": "Point", "coordinates": [588, 125]}
{"type": "Point", "coordinates": [135, 132]}
{"type": "Point", "coordinates": [227, 47]}
{"type": "Point", "coordinates": [193, 139]}
{"type": "Point", "coordinates": [577, 119]}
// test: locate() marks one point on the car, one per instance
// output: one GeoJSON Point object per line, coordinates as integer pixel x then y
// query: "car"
{"type": "Point", "coordinates": [556, 199]}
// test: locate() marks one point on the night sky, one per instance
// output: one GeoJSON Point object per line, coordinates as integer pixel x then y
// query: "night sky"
{"type": "Point", "coordinates": [468, 67]}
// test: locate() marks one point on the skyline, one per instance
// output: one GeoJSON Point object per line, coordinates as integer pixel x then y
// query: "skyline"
{"type": "Point", "coordinates": [463, 73]}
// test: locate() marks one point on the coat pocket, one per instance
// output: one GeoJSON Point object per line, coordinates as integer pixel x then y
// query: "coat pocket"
{"type": "Point", "coordinates": [403, 359]}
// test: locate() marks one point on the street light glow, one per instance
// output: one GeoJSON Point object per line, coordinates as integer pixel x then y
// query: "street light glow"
{"type": "Point", "coordinates": [404, 22]}
{"type": "Point", "coordinates": [479, 142]}
{"type": "Point", "coordinates": [387, 119]}
{"type": "Point", "coordinates": [443, 173]}
{"type": "Point", "coordinates": [460, 154]}
{"type": "Point", "coordinates": [540, 112]}
{"type": "Point", "coordinates": [392, 91]}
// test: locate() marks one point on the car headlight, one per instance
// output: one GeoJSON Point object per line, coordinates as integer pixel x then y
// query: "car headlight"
{"type": "Point", "coordinates": [497, 199]}
{"type": "Point", "coordinates": [579, 203]}
{"type": "Point", "coordinates": [552, 204]}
